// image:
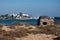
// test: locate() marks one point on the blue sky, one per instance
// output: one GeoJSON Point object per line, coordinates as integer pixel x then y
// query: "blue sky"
{"type": "Point", "coordinates": [32, 7]}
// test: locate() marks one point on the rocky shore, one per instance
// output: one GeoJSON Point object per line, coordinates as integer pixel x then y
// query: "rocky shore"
{"type": "Point", "coordinates": [24, 31]}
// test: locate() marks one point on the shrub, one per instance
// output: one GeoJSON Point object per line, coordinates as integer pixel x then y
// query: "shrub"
{"type": "Point", "coordinates": [17, 24]}
{"type": "Point", "coordinates": [2, 32]}
{"type": "Point", "coordinates": [20, 24]}
{"type": "Point", "coordinates": [50, 29]}
{"type": "Point", "coordinates": [12, 27]}
{"type": "Point", "coordinates": [17, 33]}
{"type": "Point", "coordinates": [6, 38]}
{"type": "Point", "coordinates": [2, 37]}
{"type": "Point", "coordinates": [1, 25]}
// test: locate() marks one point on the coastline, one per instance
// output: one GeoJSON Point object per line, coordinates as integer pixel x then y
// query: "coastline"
{"type": "Point", "coordinates": [10, 21]}
{"type": "Point", "coordinates": [24, 31]}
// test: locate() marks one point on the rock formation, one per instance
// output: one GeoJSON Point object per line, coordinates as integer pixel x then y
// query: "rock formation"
{"type": "Point", "coordinates": [58, 38]}
{"type": "Point", "coordinates": [45, 20]}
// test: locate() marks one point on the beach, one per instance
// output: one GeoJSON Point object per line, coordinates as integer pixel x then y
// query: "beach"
{"type": "Point", "coordinates": [25, 31]}
{"type": "Point", "coordinates": [37, 37]}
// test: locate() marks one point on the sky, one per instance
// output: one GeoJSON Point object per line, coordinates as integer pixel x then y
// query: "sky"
{"type": "Point", "coordinates": [31, 7]}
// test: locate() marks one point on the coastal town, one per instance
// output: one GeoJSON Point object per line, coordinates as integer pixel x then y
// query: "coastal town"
{"type": "Point", "coordinates": [17, 16]}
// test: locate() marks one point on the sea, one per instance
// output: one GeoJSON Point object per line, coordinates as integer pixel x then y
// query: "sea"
{"type": "Point", "coordinates": [10, 21]}
{"type": "Point", "coordinates": [30, 21]}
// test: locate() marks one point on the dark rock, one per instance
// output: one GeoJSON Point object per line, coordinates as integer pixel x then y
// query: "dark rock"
{"type": "Point", "coordinates": [38, 22]}
{"type": "Point", "coordinates": [45, 20]}
{"type": "Point", "coordinates": [58, 38]}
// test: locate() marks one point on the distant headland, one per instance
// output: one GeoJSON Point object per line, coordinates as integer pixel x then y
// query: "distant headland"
{"type": "Point", "coordinates": [17, 16]}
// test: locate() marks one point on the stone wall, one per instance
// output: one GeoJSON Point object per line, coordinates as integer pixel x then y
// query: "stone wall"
{"type": "Point", "coordinates": [45, 20]}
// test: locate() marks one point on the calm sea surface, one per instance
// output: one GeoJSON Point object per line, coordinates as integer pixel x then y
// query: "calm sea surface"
{"type": "Point", "coordinates": [56, 20]}
{"type": "Point", "coordinates": [9, 21]}
{"type": "Point", "coordinates": [30, 21]}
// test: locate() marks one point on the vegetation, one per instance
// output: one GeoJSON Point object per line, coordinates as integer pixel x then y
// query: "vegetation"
{"type": "Point", "coordinates": [2, 37]}
{"type": "Point", "coordinates": [17, 33]}
{"type": "Point", "coordinates": [1, 25]}
{"type": "Point", "coordinates": [6, 38]}
{"type": "Point", "coordinates": [19, 24]}
{"type": "Point", "coordinates": [22, 32]}
{"type": "Point", "coordinates": [51, 29]}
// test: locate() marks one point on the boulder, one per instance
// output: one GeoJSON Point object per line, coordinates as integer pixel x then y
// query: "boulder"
{"type": "Point", "coordinates": [45, 20]}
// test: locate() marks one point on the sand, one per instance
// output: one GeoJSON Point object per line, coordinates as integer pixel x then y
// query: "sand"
{"type": "Point", "coordinates": [37, 37]}
{"type": "Point", "coordinates": [31, 36]}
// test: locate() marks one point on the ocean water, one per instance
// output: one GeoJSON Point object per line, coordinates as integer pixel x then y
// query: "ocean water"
{"type": "Point", "coordinates": [30, 21]}
{"type": "Point", "coordinates": [56, 20]}
{"type": "Point", "coordinates": [10, 21]}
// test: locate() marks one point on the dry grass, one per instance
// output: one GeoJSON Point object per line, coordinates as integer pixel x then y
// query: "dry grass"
{"type": "Point", "coordinates": [22, 32]}
{"type": "Point", "coordinates": [1, 25]}
{"type": "Point", "coordinates": [51, 29]}
{"type": "Point", "coordinates": [7, 38]}
{"type": "Point", "coordinates": [17, 33]}
{"type": "Point", "coordinates": [10, 35]}
{"type": "Point", "coordinates": [19, 24]}
{"type": "Point", "coordinates": [2, 37]}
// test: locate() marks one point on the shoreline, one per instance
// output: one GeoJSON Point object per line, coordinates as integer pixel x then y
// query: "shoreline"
{"type": "Point", "coordinates": [32, 21]}
{"type": "Point", "coordinates": [25, 31]}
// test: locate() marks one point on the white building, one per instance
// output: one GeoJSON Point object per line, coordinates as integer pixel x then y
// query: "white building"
{"type": "Point", "coordinates": [12, 14]}
{"type": "Point", "coordinates": [25, 15]}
